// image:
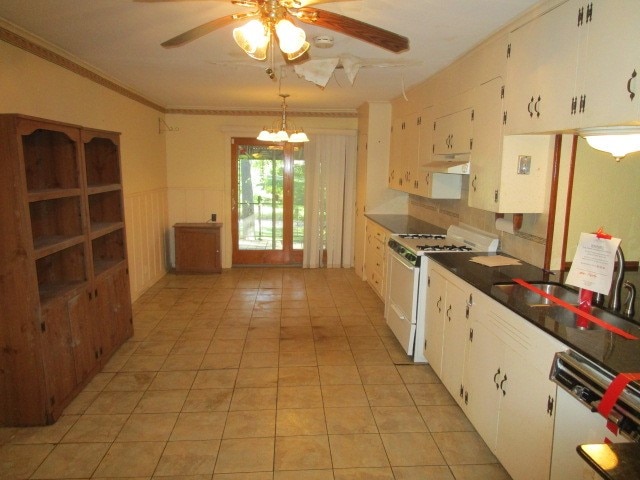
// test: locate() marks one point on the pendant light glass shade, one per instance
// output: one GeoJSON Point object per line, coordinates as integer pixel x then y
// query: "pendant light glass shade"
{"type": "Point", "coordinates": [282, 134]}
{"type": "Point", "coordinates": [618, 141]}
{"type": "Point", "coordinates": [298, 137]}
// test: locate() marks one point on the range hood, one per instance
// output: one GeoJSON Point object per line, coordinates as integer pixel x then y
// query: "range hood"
{"type": "Point", "coordinates": [458, 164]}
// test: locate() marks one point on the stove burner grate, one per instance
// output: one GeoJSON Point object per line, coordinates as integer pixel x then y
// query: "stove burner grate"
{"type": "Point", "coordinates": [443, 248]}
{"type": "Point", "coordinates": [419, 236]}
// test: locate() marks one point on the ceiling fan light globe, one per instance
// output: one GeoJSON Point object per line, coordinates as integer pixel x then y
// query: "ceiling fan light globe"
{"type": "Point", "coordinates": [290, 37]}
{"type": "Point", "coordinates": [260, 53]}
{"type": "Point", "coordinates": [298, 53]}
{"type": "Point", "coordinates": [251, 37]}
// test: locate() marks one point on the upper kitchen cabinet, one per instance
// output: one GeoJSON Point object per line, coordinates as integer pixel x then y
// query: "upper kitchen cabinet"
{"type": "Point", "coordinates": [541, 71]}
{"type": "Point", "coordinates": [504, 167]}
{"type": "Point", "coordinates": [411, 149]}
{"type": "Point", "coordinates": [563, 75]}
{"type": "Point", "coordinates": [404, 152]}
{"type": "Point", "coordinates": [608, 90]}
{"type": "Point", "coordinates": [453, 127]}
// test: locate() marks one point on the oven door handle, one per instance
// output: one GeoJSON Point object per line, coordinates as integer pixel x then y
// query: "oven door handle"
{"type": "Point", "coordinates": [403, 261]}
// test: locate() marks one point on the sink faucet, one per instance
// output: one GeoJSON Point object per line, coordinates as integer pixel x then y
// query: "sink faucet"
{"type": "Point", "coordinates": [628, 307]}
{"type": "Point", "coordinates": [616, 290]}
{"type": "Point", "coordinates": [615, 295]}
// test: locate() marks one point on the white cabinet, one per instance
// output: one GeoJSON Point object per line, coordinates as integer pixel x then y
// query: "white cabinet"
{"type": "Point", "coordinates": [448, 312]}
{"type": "Point", "coordinates": [452, 133]}
{"type": "Point", "coordinates": [404, 152]}
{"type": "Point", "coordinates": [458, 306]}
{"type": "Point", "coordinates": [507, 392]}
{"type": "Point", "coordinates": [498, 178]}
{"type": "Point", "coordinates": [541, 72]}
{"type": "Point", "coordinates": [609, 63]}
{"type": "Point", "coordinates": [576, 66]}
{"type": "Point", "coordinates": [434, 318]}
{"type": "Point", "coordinates": [496, 365]}
{"type": "Point", "coordinates": [397, 161]}
{"type": "Point", "coordinates": [411, 148]}
{"type": "Point", "coordinates": [374, 256]}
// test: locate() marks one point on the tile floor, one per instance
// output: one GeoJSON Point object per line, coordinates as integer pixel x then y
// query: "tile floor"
{"type": "Point", "coordinates": [256, 374]}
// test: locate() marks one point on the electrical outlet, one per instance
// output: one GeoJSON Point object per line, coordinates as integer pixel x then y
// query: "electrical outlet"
{"type": "Point", "coordinates": [524, 164]}
{"type": "Point", "coordinates": [213, 217]}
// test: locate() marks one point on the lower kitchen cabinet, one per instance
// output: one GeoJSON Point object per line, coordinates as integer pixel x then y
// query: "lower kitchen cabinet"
{"type": "Point", "coordinates": [374, 256]}
{"type": "Point", "coordinates": [449, 310]}
{"type": "Point", "coordinates": [496, 366]}
{"type": "Point", "coordinates": [434, 328]}
{"type": "Point", "coordinates": [509, 402]}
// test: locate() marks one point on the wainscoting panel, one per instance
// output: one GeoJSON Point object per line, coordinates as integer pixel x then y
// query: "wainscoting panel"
{"type": "Point", "coordinates": [147, 231]}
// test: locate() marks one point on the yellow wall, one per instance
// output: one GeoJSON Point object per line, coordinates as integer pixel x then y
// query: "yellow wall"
{"type": "Point", "coordinates": [199, 164]}
{"type": "Point", "coordinates": [605, 194]}
{"type": "Point", "coordinates": [33, 86]}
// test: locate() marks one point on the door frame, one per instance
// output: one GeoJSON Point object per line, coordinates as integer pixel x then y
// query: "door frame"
{"type": "Point", "coordinates": [286, 256]}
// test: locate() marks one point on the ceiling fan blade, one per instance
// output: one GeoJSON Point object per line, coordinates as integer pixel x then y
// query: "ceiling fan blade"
{"type": "Point", "coordinates": [202, 30]}
{"type": "Point", "coordinates": [355, 28]}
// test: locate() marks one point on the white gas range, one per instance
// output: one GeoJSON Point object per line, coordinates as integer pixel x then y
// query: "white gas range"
{"type": "Point", "coordinates": [405, 301]}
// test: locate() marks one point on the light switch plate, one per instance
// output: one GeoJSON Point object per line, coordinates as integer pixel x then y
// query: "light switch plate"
{"type": "Point", "coordinates": [524, 164]}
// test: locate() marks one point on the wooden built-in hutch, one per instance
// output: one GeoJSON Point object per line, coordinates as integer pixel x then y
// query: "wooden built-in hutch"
{"type": "Point", "coordinates": [64, 279]}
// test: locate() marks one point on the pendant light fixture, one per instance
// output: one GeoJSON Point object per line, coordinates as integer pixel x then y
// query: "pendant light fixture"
{"type": "Point", "coordinates": [282, 133]}
{"type": "Point", "coordinates": [254, 36]}
{"type": "Point", "coordinates": [618, 141]}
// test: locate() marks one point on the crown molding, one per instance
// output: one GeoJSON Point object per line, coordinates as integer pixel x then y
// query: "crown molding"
{"type": "Point", "coordinates": [260, 113]}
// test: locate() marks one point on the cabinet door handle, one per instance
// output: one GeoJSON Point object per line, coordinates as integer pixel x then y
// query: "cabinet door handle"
{"type": "Point", "coordinates": [448, 313]}
{"type": "Point", "coordinates": [535, 106]}
{"type": "Point", "coordinates": [529, 107]}
{"type": "Point", "coordinates": [473, 182]}
{"type": "Point", "coordinates": [631, 92]}
{"type": "Point", "coordinates": [502, 383]}
{"type": "Point", "coordinates": [439, 304]}
{"type": "Point", "coordinates": [495, 379]}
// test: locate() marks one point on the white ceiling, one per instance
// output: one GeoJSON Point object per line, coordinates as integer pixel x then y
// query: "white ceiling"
{"type": "Point", "coordinates": [122, 38]}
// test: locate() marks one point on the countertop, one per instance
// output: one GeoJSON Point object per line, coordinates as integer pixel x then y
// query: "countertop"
{"type": "Point", "coordinates": [613, 352]}
{"type": "Point", "coordinates": [404, 224]}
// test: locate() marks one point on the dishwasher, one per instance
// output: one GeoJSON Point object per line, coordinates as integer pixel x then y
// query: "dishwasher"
{"type": "Point", "coordinates": [577, 420]}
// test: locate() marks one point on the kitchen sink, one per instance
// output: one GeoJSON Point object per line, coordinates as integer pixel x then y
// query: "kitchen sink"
{"type": "Point", "coordinates": [515, 292]}
{"type": "Point", "coordinates": [548, 313]}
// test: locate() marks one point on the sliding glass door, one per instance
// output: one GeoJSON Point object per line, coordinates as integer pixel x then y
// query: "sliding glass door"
{"type": "Point", "coordinates": [267, 202]}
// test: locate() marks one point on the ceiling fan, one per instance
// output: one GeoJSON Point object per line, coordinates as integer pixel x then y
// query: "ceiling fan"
{"type": "Point", "coordinates": [272, 19]}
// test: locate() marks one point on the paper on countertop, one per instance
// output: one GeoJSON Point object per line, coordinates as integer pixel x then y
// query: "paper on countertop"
{"type": "Point", "coordinates": [496, 261]}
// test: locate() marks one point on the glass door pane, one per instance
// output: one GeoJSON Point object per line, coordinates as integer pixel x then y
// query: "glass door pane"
{"type": "Point", "coordinates": [268, 203]}
{"type": "Point", "coordinates": [260, 198]}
